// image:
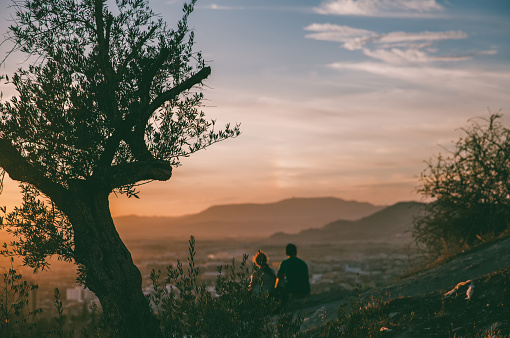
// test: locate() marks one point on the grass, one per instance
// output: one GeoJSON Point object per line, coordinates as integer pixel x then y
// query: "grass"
{"type": "Point", "coordinates": [486, 314]}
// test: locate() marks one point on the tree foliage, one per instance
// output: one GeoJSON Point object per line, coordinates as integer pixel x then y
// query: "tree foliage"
{"type": "Point", "coordinates": [470, 186]}
{"type": "Point", "coordinates": [110, 99]}
{"type": "Point", "coordinates": [39, 230]}
{"type": "Point", "coordinates": [107, 100]}
{"type": "Point", "coordinates": [105, 91]}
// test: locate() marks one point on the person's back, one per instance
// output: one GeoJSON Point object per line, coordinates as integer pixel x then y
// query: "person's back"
{"type": "Point", "coordinates": [295, 272]}
{"type": "Point", "coordinates": [266, 279]}
{"type": "Point", "coordinates": [263, 279]}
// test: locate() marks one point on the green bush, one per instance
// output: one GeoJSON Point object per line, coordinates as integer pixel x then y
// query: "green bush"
{"type": "Point", "coordinates": [470, 189]}
{"type": "Point", "coordinates": [183, 306]}
{"type": "Point", "coordinates": [186, 308]}
{"type": "Point", "coordinates": [15, 318]}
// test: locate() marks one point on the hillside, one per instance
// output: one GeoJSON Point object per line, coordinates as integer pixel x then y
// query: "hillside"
{"type": "Point", "coordinates": [418, 305]}
{"type": "Point", "coordinates": [246, 220]}
{"type": "Point", "coordinates": [391, 223]}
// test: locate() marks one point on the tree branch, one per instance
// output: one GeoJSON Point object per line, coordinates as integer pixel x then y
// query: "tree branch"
{"type": "Point", "coordinates": [137, 142]}
{"type": "Point", "coordinates": [98, 16]}
{"type": "Point", "coordinates": [171, 93]}
{"type": "Point", "coordinates": [131, 173]}
{"type": "Point", "coordinates": [136, 49]}
{"type": "Point", "coordinates": [106, 158]}
{"type": "Point", "coordinates": [157, 63]}
{"type": "Point", "coordinates": [124, 129]}
{"type": "Point", "coordinates": [20, 170]}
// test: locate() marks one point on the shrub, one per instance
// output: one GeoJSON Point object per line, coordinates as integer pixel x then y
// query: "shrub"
{"type": "Point", "coordinates": [15, 318]}
{"type": "Point", "coordinates": [183, 306]}
{"type": "Point", "coordinates": [186, 308]}
{"type": "Point", "coordinates": [359, 318]}
{"type": "Point", "coordinates": [470, 188]}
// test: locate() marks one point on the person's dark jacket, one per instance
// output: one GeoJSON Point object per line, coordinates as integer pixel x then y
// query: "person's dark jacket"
{"type": "Point", "coordinates": [295, 273]}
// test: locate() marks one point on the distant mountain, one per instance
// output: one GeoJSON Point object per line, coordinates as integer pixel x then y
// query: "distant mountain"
{"type": "Point", "coordinates": [246, 220]}
{"type": "Point", "coordinates": [391, 223]}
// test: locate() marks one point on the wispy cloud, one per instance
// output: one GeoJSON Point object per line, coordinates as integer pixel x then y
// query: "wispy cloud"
{"type": "Point", "coordinates": [393, 47]}
{"type": "Point", "coordinates": [411, 55]}
{"type": "Point", "coordinates": [381, 8]}
{"type": "Point", "coordinates": [219, 7]}
{"type": "Point", "coordinates": [271, 8]}
{"type": "Point", "coordinates": [457, 80]}
{"type": "Point", "coordinates": [336, 33]}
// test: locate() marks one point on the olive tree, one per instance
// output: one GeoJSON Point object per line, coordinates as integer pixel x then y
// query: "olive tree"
{"type": "Point", "coordinates": [110, 98]}
{"type": "Point", "coordinates": [470, 188]}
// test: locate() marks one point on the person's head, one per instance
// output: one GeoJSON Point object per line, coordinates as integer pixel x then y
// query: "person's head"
{"type": "Point", "coordinates": [260, 259]}
{"type": "Point", "coordinates": [290, 250]}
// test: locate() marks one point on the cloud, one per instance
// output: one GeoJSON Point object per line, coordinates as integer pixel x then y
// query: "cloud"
{"type": "Point", "coordinates": [218, 7]}
{"type": "Point", "coordinates": [410, 55]}
{"type": "Point", "coordinates": [454, 80]}
{"type": "Point", "coordinates": [348, 35]}
{"type": "Point", "coordinates": [486, 52]}
{"type": "Point", "coordinates": [380, 8]}
{"type": "Point", "coordinates": [421, 36]}
{"type": "Point", "coordinates": [393, 47]}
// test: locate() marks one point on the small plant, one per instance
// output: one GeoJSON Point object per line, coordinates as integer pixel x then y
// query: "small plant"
{"type": "Point", "coordinates": [15, 318]}
{"type": "Point", "coordinates": [357, 319]}
{"type": "Point", "coordinates": [60, 318]}
{"type": "Point", "coordinates": [186, 308]}
{"type": "Point", "coordinates": [18, 319]}
{"type": "Point", "coordinates": [289, 324]}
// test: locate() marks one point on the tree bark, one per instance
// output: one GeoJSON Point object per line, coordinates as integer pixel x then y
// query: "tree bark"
{"type": "Point", "coordinates": [110, 271]}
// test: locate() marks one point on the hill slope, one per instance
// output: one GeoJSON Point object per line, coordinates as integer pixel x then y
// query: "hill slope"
{"type": "Point", "coordinates": [391, 223]}
{"type": "Point", "coordinates": [417, 305]}
{"type": "Point", "coordinates": [246, 220]}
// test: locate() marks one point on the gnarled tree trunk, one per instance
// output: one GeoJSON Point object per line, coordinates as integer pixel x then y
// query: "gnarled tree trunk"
{"type": "Point", "coordinates": [110, 271]}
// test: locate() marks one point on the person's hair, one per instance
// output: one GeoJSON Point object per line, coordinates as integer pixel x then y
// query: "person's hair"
{"type": "Point", "coordinates": [260, 259]}
{"type": "Point", "coordinates": [291, 250]}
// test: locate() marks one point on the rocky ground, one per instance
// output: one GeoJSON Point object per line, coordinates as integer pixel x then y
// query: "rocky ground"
{"type": "Point", "coordinates": [418, 305]}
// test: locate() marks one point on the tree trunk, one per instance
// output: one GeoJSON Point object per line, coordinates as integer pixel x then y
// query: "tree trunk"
{"type": "Point", "coordinates": [110, 271]}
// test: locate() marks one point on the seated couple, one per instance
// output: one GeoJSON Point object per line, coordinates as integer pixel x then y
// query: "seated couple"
{"type": "Point", "coordinates": [292, 277]}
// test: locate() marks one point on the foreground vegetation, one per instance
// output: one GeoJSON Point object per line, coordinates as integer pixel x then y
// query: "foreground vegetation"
{"type": "Point", "coordinates": [186, 308]}
{"type": "Point", "coordinates": [182, 306]}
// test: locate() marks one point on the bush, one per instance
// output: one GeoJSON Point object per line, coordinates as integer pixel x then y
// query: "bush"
{"type": "Point", "coordinates": [359, 318]}
{"type": "Point", "coordinates": [15, 318]}
{"type": "Point", "coordinates": [471, 190]}
{"type": "Point", "coordinates": [183, 306]}
{"type": "Point", "coordinates": [186, 308]}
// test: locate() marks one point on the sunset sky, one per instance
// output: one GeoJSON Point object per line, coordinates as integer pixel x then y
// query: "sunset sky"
{"type": "Point", "coordinates": [343, 98]}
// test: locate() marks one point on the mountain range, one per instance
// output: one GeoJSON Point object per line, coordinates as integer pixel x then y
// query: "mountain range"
{"type": "Point", "coordinates": [393, 223]}
{"type": "Point", "coordinates": [247, 220]}
{"type": "Point", "coordinates": [300, 220]}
